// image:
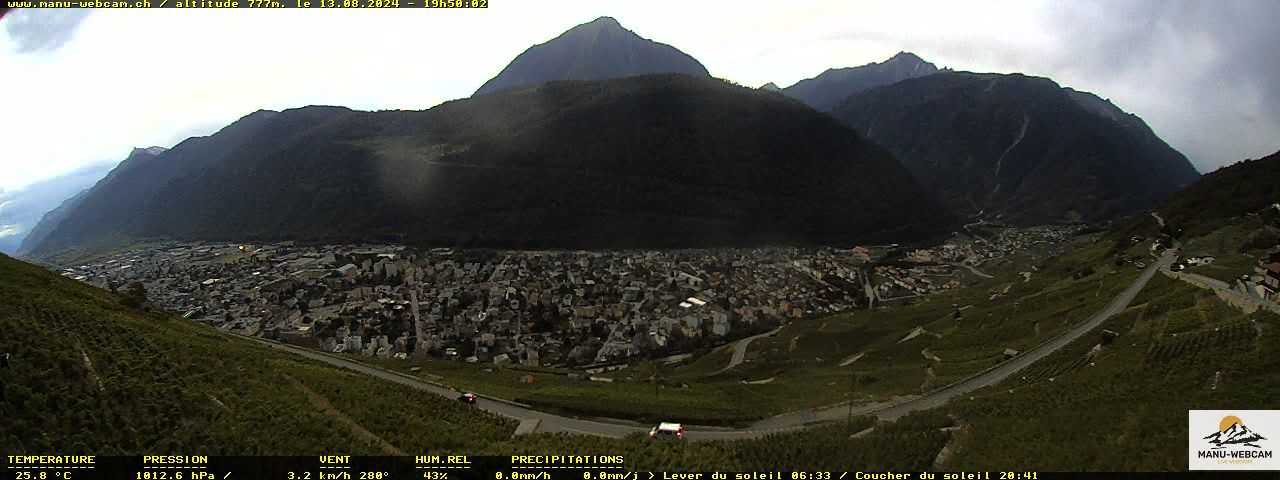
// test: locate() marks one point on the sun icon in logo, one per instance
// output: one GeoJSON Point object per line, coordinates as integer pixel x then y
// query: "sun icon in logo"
{"type": "Point", "coordinates": [1228, 421]}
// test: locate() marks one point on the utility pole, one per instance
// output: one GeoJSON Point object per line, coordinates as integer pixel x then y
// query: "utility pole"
{"type": "Point", "coordinates": [655, 381]}
{"type": "Point", "coordinates": [848, 420]}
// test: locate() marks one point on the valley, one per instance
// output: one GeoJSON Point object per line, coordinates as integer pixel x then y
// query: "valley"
{"type": "Point", "coordinates": [584, 243]}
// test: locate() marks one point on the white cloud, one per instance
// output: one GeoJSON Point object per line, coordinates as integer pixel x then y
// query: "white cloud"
{"type": "Point", "coordinates": [130, 78]}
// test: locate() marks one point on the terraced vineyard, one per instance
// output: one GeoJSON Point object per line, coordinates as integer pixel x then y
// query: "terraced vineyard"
{"type": "Point", "coordinates": [88, 374]}
{"type": "Point", "coordinates": [1236, 336]}
{"type": "Point", "coordinates": [911, 443]}
{"type": "Point", "coordinates": [1124, 406]}
{"type": "Point", "coordinates": [400, 414]}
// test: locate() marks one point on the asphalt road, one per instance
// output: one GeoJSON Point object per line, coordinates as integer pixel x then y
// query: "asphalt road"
{"type": "Point", "coordinates": [740, 349]}
{"type": "Point", "coordinates": [781, 423]}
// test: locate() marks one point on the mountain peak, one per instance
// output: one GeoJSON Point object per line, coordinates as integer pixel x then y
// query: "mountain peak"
{"type": "Point", "coordinates": [153, 150]}
{"type": "Point", "coordinates": [603, 29]}
{"type": "Point", "coordinates": [905, 57]}
{"type": "Point", "coordinates": [260, 113]}
{"type": "Point", "coordinates": [596, 50]}
{"type": "Point", "coordinates": [824, 92]}
{"type": "Point", "coordinates": [605, 22]}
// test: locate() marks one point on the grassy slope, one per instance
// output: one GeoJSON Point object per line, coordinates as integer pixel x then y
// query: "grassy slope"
{"type": "Point", "coordinates": [1122, 409]}
{"type": "Point", "coordinates": [909, 444]}
{"type": "Point", "coordinates": [1126, 409]}
{"type": "Point", "coordinates": [159, 384]}
{"type": "Point", "coordinates": [810, 374]}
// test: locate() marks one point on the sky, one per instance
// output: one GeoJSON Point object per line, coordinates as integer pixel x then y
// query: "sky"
{"type": "Point", "coordinates": [84, 87]}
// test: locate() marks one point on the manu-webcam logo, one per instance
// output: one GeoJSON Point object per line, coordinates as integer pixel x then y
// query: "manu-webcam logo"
{"type": "Point", "coordinates": [1233, 444]}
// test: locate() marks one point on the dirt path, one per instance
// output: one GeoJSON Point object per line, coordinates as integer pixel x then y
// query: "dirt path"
{"type": "Point", "coordinates": [323, 405]}
{"type": "Point", "coordinates": [930, 356]}
{"type": "Point", "coordinates": [852, 358]}
{"type": "Point", "coordinates": [93, 374]}
{"type": "Point", "coordinates": [958, 434]}
{"type": "Point", "coordinates": [918, 331]}
{"type": "Point", "coordinates": [972, 269]}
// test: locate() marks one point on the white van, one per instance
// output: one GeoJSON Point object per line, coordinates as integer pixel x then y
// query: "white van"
{"type": "Point", "coordinates": [667, 430]}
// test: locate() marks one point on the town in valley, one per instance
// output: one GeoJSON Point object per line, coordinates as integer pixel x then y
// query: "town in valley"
{"type": "Point", "coordinates": [537, 308]}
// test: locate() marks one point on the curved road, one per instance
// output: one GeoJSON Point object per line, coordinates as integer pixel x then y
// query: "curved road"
{"type": "Point", "coordinates": [740, 349]}
{"type": "Point", "coordinates": [788, 421]}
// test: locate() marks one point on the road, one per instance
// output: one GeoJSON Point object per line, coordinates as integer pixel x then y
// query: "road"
{"type": "Point", "coordinates": [740, 349]}
{"type": "Point", "coordinates": [1235, 297]}
{"type": "Point", "coordinates": [780, 423]}
{"type": "Point", "coordinates": [971, 269]}
{"type": "Point", "coordinates": [979, 222]}
{"type": "Point", "coordinates": [549, 422]}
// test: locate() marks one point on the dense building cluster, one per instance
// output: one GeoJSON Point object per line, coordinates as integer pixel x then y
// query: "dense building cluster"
{"type": "Point", "coordinates": [530, 307]}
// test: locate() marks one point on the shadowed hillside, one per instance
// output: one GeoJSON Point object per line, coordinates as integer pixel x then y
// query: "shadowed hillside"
{"type": "Point", "coordinates": [1243, 188]}
{"type": "Point", "coordinates": [1019, 148]}
{"type": "Point", "coordinates": [654, 161]}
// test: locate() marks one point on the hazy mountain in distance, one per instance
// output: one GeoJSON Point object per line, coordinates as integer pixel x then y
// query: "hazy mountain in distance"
{"type": "Point", "coordinates": [1018, 147]}
{"type": "Point", "coordinates": [21, 210]}
{"type": "Point", "coordinates": [597, 50]}
{"type": "Point", "coordinates": [50, 218]}
{"type": "Point", "coordinates": [826, 90]}
{"type": "Point", "coordinates": [772, 87]}
{"type": "Point", "coordinates": [650, 161]}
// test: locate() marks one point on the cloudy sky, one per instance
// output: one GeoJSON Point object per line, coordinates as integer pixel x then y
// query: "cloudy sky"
{"type": "Point", "coordinates": [84, 87]}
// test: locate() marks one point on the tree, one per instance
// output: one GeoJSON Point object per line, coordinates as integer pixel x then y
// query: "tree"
{"type": "Point", "coordinates": [135, 295]}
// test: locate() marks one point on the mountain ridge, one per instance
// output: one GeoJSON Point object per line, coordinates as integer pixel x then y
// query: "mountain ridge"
{"type": "Point", "coordinates": [826, 90]}
{"type": "Point", "coordinates": [691, 162]}
{"type": "Point", "coordinates": [1019, 146]}
{"type": "Point", "coordinates": [1238, 190]}
{"type": "Point", "coordinates": [21, 211]}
